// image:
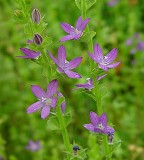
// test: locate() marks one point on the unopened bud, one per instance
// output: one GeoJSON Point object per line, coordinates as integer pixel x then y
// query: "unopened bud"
{"type": "Point", "coordinates": [37, 39]}
{"type": "Point", "coordinates": [110, 138]}
{"type": "Point", "coordinates": [36, 16]}
{"type": "Point", "coordinates": [75, 149]}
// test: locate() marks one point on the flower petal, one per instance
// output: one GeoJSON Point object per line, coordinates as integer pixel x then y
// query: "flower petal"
{"type": "Point", "coordinates": [104, 67]}
{"type": "Point", "coordinates": [63, 106]}
{"type": "Point", "coordinates": [94, 118]}
{"type": "Point", "coordinates": [84, 23]}
{"type": "Point", "coordinates": [29, 53]}
{"type": "Point", "coordinates": [38, 91]}
{"type": "Point", "coordinates": [86, 86]}
{"type": "Point", "coordinates": [109, 130]}
{"type": "Point", "coordinates": [34, 107]}
{"type": "Point", "coordinates": [52, 88]}
{"type": "Point", "coordinates": [67, 27]}
{"type": "Point", "coordinates": [93, 57]}
{"type": "Point", "coordinates": [72, 74]}
{"type": "Point", "coordinates": [89, 127]}
{"type": "Point", "coordinates": [79, 23]}
{"type": "Point", "coordinates": [73, 63]}
{"type": "Point", "coordinates": [66, 38]}
{"type": "Point", "coordinates": [103, 120]}
{"type": "Point", "coordinates": [111, 56]}
{"type": "Point", "coordinates": [77, 36]}
{"type": "Point", "coordinates": [98, 53]}
{"type": "Point", "coordinates": [113, 65]}
{"type": "Point", "coordinates": [99, 130]}
{"type": "Point", "coordinates": [54, 101]}
{"type": "Point", "coordinates": [45, 112]}
{"type": "Point", "coordinates": [54, 59]}
{"type": "Point", "coordinates": [29, 41]}
{"type": "Point", "coordinates": [61, 55]}
{"type": "Point", "coordinates": [100, 77]}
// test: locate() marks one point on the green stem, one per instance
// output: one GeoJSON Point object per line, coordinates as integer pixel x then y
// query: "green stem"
{"type": "Point", "coordinates": [63, 130]}
{"type": "Point", "coordinates": [46, 64]}
{"type": "Point", "coordinates": [94, 75]}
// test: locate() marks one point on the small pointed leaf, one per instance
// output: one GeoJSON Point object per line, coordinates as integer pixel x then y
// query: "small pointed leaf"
{"type": "Point", "coordinates": [87, 36]}
{"type": "Point", "coordinates": [68, 118]}
{"type": "Point", "coordinates": [53, 123]}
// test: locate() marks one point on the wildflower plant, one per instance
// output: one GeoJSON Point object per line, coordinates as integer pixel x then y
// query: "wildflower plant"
{"type": "Point", "coordinates": [52, 100]}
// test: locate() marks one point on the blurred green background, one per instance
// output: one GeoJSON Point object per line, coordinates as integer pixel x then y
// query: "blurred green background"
{"type": "Point", "coordinates": [120, 26]}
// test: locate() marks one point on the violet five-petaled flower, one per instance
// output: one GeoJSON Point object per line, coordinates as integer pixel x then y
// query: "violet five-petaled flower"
{"type": "Point", "coordinates": [46, 99]}
{"type": "Point", "coordinates": [104, 62]}
{"type": "Point", "coordinates": [63, 65]}
{"type": "Point", "coordinates": [29, 54]}
{"type": "Point", "coordinates": [74, 32]}
{"type": "Point", "coordinates": [99, 124]}
{"type": "Point", "coordinates": [89, 85]}
{"type": "Point", "coordinates": [33, 146]}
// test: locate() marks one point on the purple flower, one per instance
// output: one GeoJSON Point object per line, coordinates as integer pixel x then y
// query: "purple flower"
{"type": "Point", "coordinates": [89, 85]}
{"type": "Point", "coordinates": [33, 146]}
{"type": "Point", "coordinates": [74, 33]}
{"type": "Point", "coordinates": [104, 61]}
{"type": "Point", "coordinates": [112, 3]}
{"type": "Point", "coordinates": [63, 105]}
{"type": "Point", "coordinates": [99, 124]}
{"type": "Point", "coordinates": [46, 99]}
{"type": "Point", "coordinates": [29, 54]}
{"type": "Point", "coordinates": [140, 46]}
{"type": "Point", "coordinates": [65, 66]}
{"type": "Point", "coordinates": [129, 42]}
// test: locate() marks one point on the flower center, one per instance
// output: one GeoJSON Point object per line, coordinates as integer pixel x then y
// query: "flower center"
{"type": "Point", "coordinates": [46, 101]}
{"type": "Point", "coordinates": [100, 126]}
{"type": "Point", "coordinates": [77, 31]}
{"type": "Point", "coordinates": [103, 60]}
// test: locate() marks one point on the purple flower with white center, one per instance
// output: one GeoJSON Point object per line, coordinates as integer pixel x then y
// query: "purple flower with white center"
{"type": "Point", "coordinates": [74, 33]}
{"type": "Point", "coordinates": [89, 85]}
{"type": "Point", "coordinates": [63, 105]}
{"type": "Point", "coordinates": [63, 65]}
{"type": "Point", "coordinates": [104, 62]}
{"type": "Point", "coordinates": [29, 54]}
{"type": "Point", "coordinates": [33, 146]}
{"type": "Point", "coordinates": [46, 99]}
{"type": "Point", "coordinates": [99, 124]}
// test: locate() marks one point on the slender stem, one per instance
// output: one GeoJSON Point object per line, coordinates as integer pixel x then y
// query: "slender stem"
{"type": "Point", "coordinates": [63, 130]}
{"type": "Point", "coordinates": [94, 74]}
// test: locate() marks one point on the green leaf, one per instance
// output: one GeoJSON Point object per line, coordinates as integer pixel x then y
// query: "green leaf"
{"type": "Point", "coordinates": [53, 123]}
{"type": "Point", "coordinates": [103, 90]}
{"type": "Point", "coordinates": [46, 41]}
{"type": "Point", "coordinates": [92, 96]}
{"type": "Point", "coordinates": [78, 4]}
{"type": "Point", "coordinates": [89, 4]}
{"type": "Point", "coordinates": [87, 36]}
{"type": "Point", "coordinates": [68, 118]}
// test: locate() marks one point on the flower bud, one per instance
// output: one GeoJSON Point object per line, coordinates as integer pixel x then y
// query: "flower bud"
{"type": "Point", "coordinates": [110, 137]}
{"type": "Point", "coordinates": [37, 39]}
{"type": "Point", "coordinates": [36, 16]}
{"type": "Point", "coordinates": [75, 149]}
